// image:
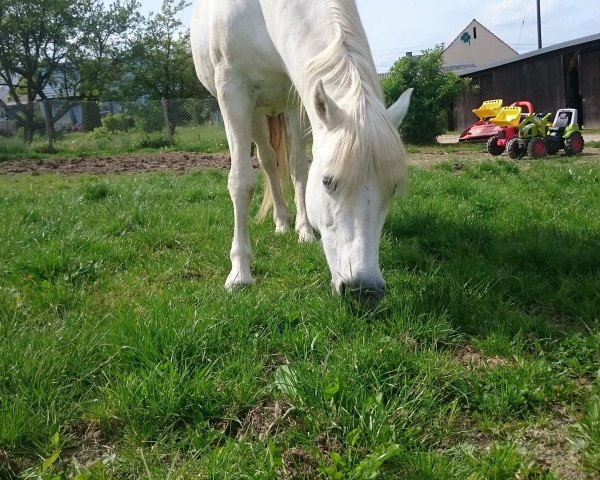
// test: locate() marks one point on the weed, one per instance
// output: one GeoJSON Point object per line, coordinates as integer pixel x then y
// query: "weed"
{"type": "Point", "coordinates": [585, 436]}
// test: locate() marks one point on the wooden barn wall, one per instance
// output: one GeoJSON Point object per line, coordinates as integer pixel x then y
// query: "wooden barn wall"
{"type": "Point", "coordinates": [470, 99]}
{"type": "Point", "coordinates": [543, 83]}
{"type": "Point", "coordinates": [589, 84]}
{"type": "Point", "coordinates": [540, 80]}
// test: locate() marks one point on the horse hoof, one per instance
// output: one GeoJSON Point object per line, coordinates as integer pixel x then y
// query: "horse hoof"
{"type": "Point", "coordinates": [281, 228]}
{"type": "Point", "coordinates": [306, 236]}
{"type": "Point", "coordinates": [236, 282]}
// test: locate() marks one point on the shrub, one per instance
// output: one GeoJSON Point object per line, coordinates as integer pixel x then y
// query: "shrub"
{"type": "Point", "coordinates": [150, 117]}
{"type": "Point", "coordinates": [152, 141]}
{"type": "Point", "coordinates": [35, 124]}
{"type": "Point", "coordinates": [434, 94]}
{"type": "Point", "coordinates": [118, 122]}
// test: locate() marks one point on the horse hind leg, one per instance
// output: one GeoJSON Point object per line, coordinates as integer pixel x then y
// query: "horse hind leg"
{"type": "Point", "coordinates": [299, 174]}
{"type": "Point", "coordinates": [236, 109]}
{"type": "Point", "coordinates": [267, 157]}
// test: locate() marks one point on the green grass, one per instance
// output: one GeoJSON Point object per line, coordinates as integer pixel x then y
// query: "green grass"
{"type": "Point", "coordinates": [204, 138]}
{"type": "Point", "coordinates": [120, 348]}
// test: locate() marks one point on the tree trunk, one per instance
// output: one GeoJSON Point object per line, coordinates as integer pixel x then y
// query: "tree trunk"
{"type": "Point", "coordinates": [168, 123]}
{"type": "Point", "coordinates": [91, 115]}
{"type": "Point", "coordinates": [49, 126]}
{"type": "Point", "coordinates": [29, 121]}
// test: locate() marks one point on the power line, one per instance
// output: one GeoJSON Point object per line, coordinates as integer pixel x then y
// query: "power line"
{"type": "Point", "coordinates": [523, 24]}
{"type": "Point", "coordinates": [499, 9]}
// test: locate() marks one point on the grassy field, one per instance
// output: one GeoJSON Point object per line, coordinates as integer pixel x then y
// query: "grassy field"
{"type": "Point", "coordinates": [194, 138]}
{"type": "Point", "coordinates": [204, 138]}
{"type": "Point", "coordinates": [122, 357]}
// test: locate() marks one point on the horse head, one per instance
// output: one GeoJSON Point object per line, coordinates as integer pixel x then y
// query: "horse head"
{"type": "Point", "coordinates": [358, 165]}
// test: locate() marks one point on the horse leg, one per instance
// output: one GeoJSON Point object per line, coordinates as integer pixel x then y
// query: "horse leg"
{"type": "Point", "coordinates": [299, 174]}
{"type": "Point", "coordinates": [267, 157]}
{"type": "Point", "coordinates": [236, 109]}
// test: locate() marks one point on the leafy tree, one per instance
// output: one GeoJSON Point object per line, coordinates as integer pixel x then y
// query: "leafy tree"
{"type": "Point", "coordinates": [55, 43]}
{"type": "Point", "coordinates": [34, 42]}
{"type": "Point", "coordinates": [161, 64]}
{"type": "Point", "coordinates": [99, 58]}
{"type": "Point", "coordinates": [102, 48]}
{"type": "Point", "coordinates": [434, 94]}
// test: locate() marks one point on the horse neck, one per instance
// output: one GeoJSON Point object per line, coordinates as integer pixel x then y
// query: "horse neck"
{"type": "Point", "coordinates": [324, 40]}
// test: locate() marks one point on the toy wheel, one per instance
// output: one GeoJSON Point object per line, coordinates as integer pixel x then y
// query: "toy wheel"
{"type": "Point", "coordinates": [493, 148]}
{"type": "Point", "coordinates": [537, 148]}
{"type": "Point", "coordinates": [574, 144]}
{"type": "Point", "coordinates": [514, 150]}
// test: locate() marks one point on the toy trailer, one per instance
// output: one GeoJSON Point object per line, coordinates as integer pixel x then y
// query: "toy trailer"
{"type": "Point", "coordinates": [483, 129]}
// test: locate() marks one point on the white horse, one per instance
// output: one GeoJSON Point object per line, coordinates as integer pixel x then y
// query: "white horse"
{"type": "Point", "coordinates": [267, 57]}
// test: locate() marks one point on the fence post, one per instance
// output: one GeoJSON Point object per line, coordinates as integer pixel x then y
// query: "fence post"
{"type": "Point", "coordinates": [165, 106]}
{"type": "Point", "coordinates": [49, 129]}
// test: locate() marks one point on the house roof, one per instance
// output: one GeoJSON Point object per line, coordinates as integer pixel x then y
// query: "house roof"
{"type": "Point", "coordinates": [534, 53]}
{"type": "Point", "coordinates": [475, 23]}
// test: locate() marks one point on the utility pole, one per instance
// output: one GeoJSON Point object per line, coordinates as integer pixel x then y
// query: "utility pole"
{"type": "Point", "coordinates": [539, 24]}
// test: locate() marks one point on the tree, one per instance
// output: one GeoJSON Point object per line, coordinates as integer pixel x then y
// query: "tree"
{"type": "Point", "coordinates": [161, 64]}
{"type": "Point", "coordinates": [99, 58]}
{"type": "Point", "coordinates": [101, 49]}
{"type": "Point", "coordinates": [45, 42]}
{"type": "Point", "coordinates": [434, 94]}
{"type": "Point", "coordinates": [34, 41]}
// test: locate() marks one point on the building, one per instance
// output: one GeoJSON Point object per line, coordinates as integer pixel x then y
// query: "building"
{"type": "Point", "coordinates": [566, 75]}
{"type": "Point", "coordinates": [473, 47]}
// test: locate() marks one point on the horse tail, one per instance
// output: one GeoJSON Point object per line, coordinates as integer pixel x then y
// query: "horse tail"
{"type": "Point", "coordinates": [279, 143]}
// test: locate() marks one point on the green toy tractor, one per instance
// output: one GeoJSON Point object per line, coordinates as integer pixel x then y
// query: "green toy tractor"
{"type": "Point", "coordinates": [537, 138]}
{"type": "Point", "coordinates": [530, 139]}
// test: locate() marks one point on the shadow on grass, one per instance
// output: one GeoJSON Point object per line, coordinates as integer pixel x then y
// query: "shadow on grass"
{"type": "Point", "coordinates": [526, 278]}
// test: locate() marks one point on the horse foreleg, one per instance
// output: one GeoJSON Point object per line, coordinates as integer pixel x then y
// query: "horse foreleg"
{"type": "Point", "coordinates": [299, 174]}
{"type": "Point", "coordinates": [237, 116]}
{"type": "Point", "coordinates": [267, 157]}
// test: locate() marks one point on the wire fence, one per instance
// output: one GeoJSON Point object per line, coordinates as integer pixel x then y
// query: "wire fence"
{"type": "Point", "coordinates": [47, 124]}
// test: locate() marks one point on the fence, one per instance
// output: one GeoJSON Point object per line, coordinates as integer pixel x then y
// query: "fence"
{"type": "Point", "coordinates": [44, 123]}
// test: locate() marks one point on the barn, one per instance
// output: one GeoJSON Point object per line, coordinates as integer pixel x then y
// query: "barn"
{"type": "Point", "coordinates": [559, 76]}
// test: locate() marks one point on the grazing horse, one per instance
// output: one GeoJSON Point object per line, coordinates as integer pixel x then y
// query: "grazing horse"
{"type": "Point", "coordinates": [265, 58]}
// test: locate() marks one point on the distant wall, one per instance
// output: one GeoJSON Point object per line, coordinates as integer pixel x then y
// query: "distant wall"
{"type": "Point", "coordinates": [568, 77]}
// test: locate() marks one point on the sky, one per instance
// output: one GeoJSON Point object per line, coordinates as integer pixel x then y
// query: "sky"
{"type": "Point", "coordinates": [395, 27]}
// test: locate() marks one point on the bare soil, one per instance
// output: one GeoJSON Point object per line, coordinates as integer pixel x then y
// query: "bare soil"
{"type": "Point", "coordinates": [121, 164]}
{"type": "Point", "coordinates": [188, 161]}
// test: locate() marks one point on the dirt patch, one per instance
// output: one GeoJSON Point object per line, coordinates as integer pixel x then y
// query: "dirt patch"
{"type": "Point", "coordinates": [267, 419]}
{"type": "Point", "coordinates": [9, 467]}
{"type": "Point", "coordinates": [298, 463]}
{"type": "Point", "coordinates": [549, 446]}
{"type": "Point", "coordinates": [88, 444]}
{"type": "Point", "coordinates": [135, 163]}
{"type": "Point", "coordinates": [470, 358]}
{"type": "Point", "coordinates": [188, 161]}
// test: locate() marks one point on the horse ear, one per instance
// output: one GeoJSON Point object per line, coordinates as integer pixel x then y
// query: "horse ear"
{"type": "Point", "coordinates": [326, 108]}
{"type": "Point", "coordinates": [398, 110]}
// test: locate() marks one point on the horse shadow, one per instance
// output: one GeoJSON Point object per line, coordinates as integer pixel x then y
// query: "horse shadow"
{"type": "Point", "coordinates": [536, 279]}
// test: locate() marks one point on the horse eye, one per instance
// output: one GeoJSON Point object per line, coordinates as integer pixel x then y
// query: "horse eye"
{"type": "Point", "coordinates": [330, 184]}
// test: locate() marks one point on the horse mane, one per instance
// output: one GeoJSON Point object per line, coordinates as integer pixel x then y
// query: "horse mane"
{"type": "Point", "coordinates": [366, 139]}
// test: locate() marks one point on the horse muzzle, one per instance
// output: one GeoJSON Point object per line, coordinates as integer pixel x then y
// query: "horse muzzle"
{"type": "Point", "coordinates": [367, 294]}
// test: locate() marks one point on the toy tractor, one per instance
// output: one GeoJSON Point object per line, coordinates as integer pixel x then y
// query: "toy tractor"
{"type": "Point", "coordinates": [530, 139]}
{"type": "Point", "coordinates": [538, 138]}
{"type": "Point", "coordinates": [508, 120]}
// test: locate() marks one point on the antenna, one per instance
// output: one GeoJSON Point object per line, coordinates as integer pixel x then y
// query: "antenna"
{"type": "Point", "coordinates": [539, 24]}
